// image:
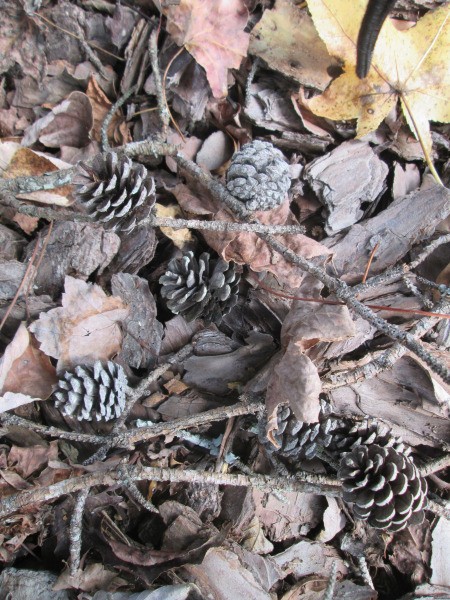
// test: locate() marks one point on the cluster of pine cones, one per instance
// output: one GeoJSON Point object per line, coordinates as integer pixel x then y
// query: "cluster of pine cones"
{"type": "Point", "coordinates": [377, 471]}
{"type": "Point", "coordinates": [378, 474]}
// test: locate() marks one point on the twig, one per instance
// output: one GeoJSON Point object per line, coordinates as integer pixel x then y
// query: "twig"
{"type": "Point", "coordinates": [364, 570]}
{"type": "Point", "coordinates": [303, 482]}
{"type": "Point", "coordinates": [126, 439]}
{"type": "Point", "coordinates": [400, 270]}
{"type": "Point", "coordinates": [339, 288]}
{"type": "Point", "coordinates": [160, 96]}
{"type": "Point", "coordinates": [134, 490]}
{"type": "Point", "coordinates": [21, 286]}
{"type": "Point", "coordinates": [133, 396]}
{"type": "Point", "coordinates": [435, 465]}
{"type": "Point", "coordinates": [329, 592]}
{"type": "Point", "coordinates": [221, 225]}
{"type": "Point", "coordinates": [107, 120]}
{"type": "Point", "coordinates": [388, 358]}
{"type": "Point", "coordinates": [76, 529]}
{"type": "Point", "coordinates": [369, 262]}
{"type": "Point", "coordinates": [438, 509]}
{"type": "Point", "coordinates": [251, 75]}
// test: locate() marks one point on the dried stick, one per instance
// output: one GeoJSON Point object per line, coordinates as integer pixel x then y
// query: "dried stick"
{"type": "Point", "coordinates": [133, 396]}
{"type": "Point", "coordinates": [364, 570]}
{"type": "Point", "coordinates": [388, 358]}
{"type": "Point", "coordinates": [339, 288]}
{"type": "Point", "coordinates": [302, 482]}
{"type": "Point", "coordinates": [107, 120]}
{"type": "Point", "coordinates": [129, 437]}
{"type": "Point", "coordinates": [329, 592]}
{"type": "Point", "coordinates": [435, 465]}
{"type": "Point", "coordinates": [75, 530]}
{"type": "Point", "coordinates": [220, 225]}
{"type": "Point", "coordinates": [134, 490]}
{"type": "Point", "coordinates": [162, 104]}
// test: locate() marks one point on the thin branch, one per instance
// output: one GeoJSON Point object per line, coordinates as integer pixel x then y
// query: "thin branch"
{"type": "Point", "coordinates": [74, 436]}
{"type": "Point", "coordinates": [339, 288]}
{"type": "Point", "coordinates": [329, 592]}
{"type": "Point", "coordinates": [221, 225]}
{"type": "Point", "coordinates": [76, 529]}
{"type": "Point", "coordinates": [364, 570]}
{"type": "Point", "coordinates": [133, 396]}
{"type": "Point", "coordinates": [134, 490]}
{"type": "Point", "coordinates": [388, 358]}
{"type": "Point", "coordinates": [302, 482]}
{"type": "Point", "coordinates": [112, 111]}
{"type": "Point", "coordinates": [438, 464]}
{"type": "Point", "coordinates": [164, 113]}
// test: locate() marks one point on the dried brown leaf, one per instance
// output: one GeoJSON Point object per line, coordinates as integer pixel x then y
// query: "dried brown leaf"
{"type": "Point", "coordinates": [85, 328]}
{"type": "Point", "coordinates": [26, 461]}
{"type": "Point", "coordinates": [295, 381]}
{"type": "Point", "coordinates": [213, 34]}
{"type": "Point", "coordinates": [25, 369]}
{"type": "Point", "coordinates": [68, 124]}
{"type": "Point", "coordinates": [246, 247]}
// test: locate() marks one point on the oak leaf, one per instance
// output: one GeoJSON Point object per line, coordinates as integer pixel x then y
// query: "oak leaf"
{"type": "Point", "coordinates": [212, 31]}
{"type": "Point", "coordinates": [408, 65]}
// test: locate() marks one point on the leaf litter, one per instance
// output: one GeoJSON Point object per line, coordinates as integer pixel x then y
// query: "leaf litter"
{"type": "Point", "coordinates": [200, 396]}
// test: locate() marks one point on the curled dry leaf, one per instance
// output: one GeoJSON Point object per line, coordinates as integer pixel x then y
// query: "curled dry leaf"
{"type": "Point", "coordinates": [85, 328]}
{"type": "Point", "coordinates": [246, 247]}
{"type": "Point", "coordinates": [26, 371]}
{"type": "Point", "coordinates": [68, 124]}
{"type": "Point", "coordinates": [295, 381]}
{"type": "Point", "coordinates": [213, 32]}
{"type": "Point", "coordinates": [287, 40]}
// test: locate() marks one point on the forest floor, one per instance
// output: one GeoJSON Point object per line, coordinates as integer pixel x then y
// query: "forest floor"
{"type": "Point", "coordinates": [206, 395]}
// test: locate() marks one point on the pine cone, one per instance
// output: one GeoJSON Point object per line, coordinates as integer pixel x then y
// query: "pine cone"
{"type": "Point", "coordinates": [384, 486]}
{"type": "Point", "coordinates": [298, 440]}
{"type": "Point", "coordinates": [259, 176]}
{"type": "Point", "coordinates": [113, 188]}
{"type": "Point", "coordinates": [205, 287]}
{"type": "Point", "coordinates": [92, 393]}
{"type": "Point", "coordinates": [347, 435]}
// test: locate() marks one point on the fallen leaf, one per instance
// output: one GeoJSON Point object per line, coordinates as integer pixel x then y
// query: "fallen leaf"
{"type": "Point", "coordinates": [306, 557]}
{"type": "Point", "coordinates": [408, 65]}
{"type": "Point", "coordinates": [26, 461]}
{"type": "Point", "coordinates": [180, 237]}
{"type": "Point", "coordinates": [285, 38]}
{"type": "Point", "coordinates": [246, 247]}
{"type": "Point", "coordinates": [25, 370]}
{"type": "Point", "coordinates": [68, 124]}
{"type": "Point", "coordinates": [101, 106]}
{"type": "Point", "coordinates": [295, 381]}
{"type": "Point", "coordinates": [94, 577]}
{"type": "Point", "coordinates": [85, 328]}
{"type": "Point", "coordinates": [213, 32]}
{"type": "Point", "coordinates": [26, 162]}
{"type": "Point", "coordinates": [11, 400]}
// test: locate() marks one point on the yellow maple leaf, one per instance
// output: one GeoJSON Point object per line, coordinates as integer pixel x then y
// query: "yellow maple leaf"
{"type": "Point", "coordinates": [408, 65]}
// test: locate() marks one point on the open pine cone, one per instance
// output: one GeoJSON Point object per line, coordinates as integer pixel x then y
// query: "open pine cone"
{"type": "Point", "coordinates": [112, 189]}
{"type": "Point", "coordinates": [259, 176]}
{"type": "Point", "coordinates": [204, 288]}
{"type": "Point", "coordinates": [384, 486]}
{"type": "Point", "coordinates": [91, 393]}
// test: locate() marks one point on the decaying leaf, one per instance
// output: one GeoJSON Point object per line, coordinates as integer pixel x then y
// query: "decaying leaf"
{"type": "Point", "coordinates": [295, 381]}
{"type": "Point", "coordinates": [25, 370]}
{"type": "Point", "coordinates": [68, 124]}
{"type": "Point", "coordinates": [246, 247]}
{"type": "Point", "coordinates": [411, 65]}
{"type": "Point", "coordinates": [439, 553]}
{"type": "Point", "coordinates": [213, 32]}
{"type": "Point", "coordinates": [287, 40]}
{"type": "Point", "coordinates": [85, 328]}
{"type": "Point", "coordinates": [180, 237]}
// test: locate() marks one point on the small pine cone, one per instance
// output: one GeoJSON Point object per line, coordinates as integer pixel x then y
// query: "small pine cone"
{"type": "Point", "coordinates": [205, 287]}
{"type": "Point", "coordinates": [347, 436]}
{"type": "Point", "coordinates": [92, 393]}
{"type": "Point", "coordinates": [112, 189]}
{"type": "Point", "coordinates": [384, 486]}
{"type": "Point", "coordinates": [259, 176]}
{"type": "Point", "coordinates": [298, 440]}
